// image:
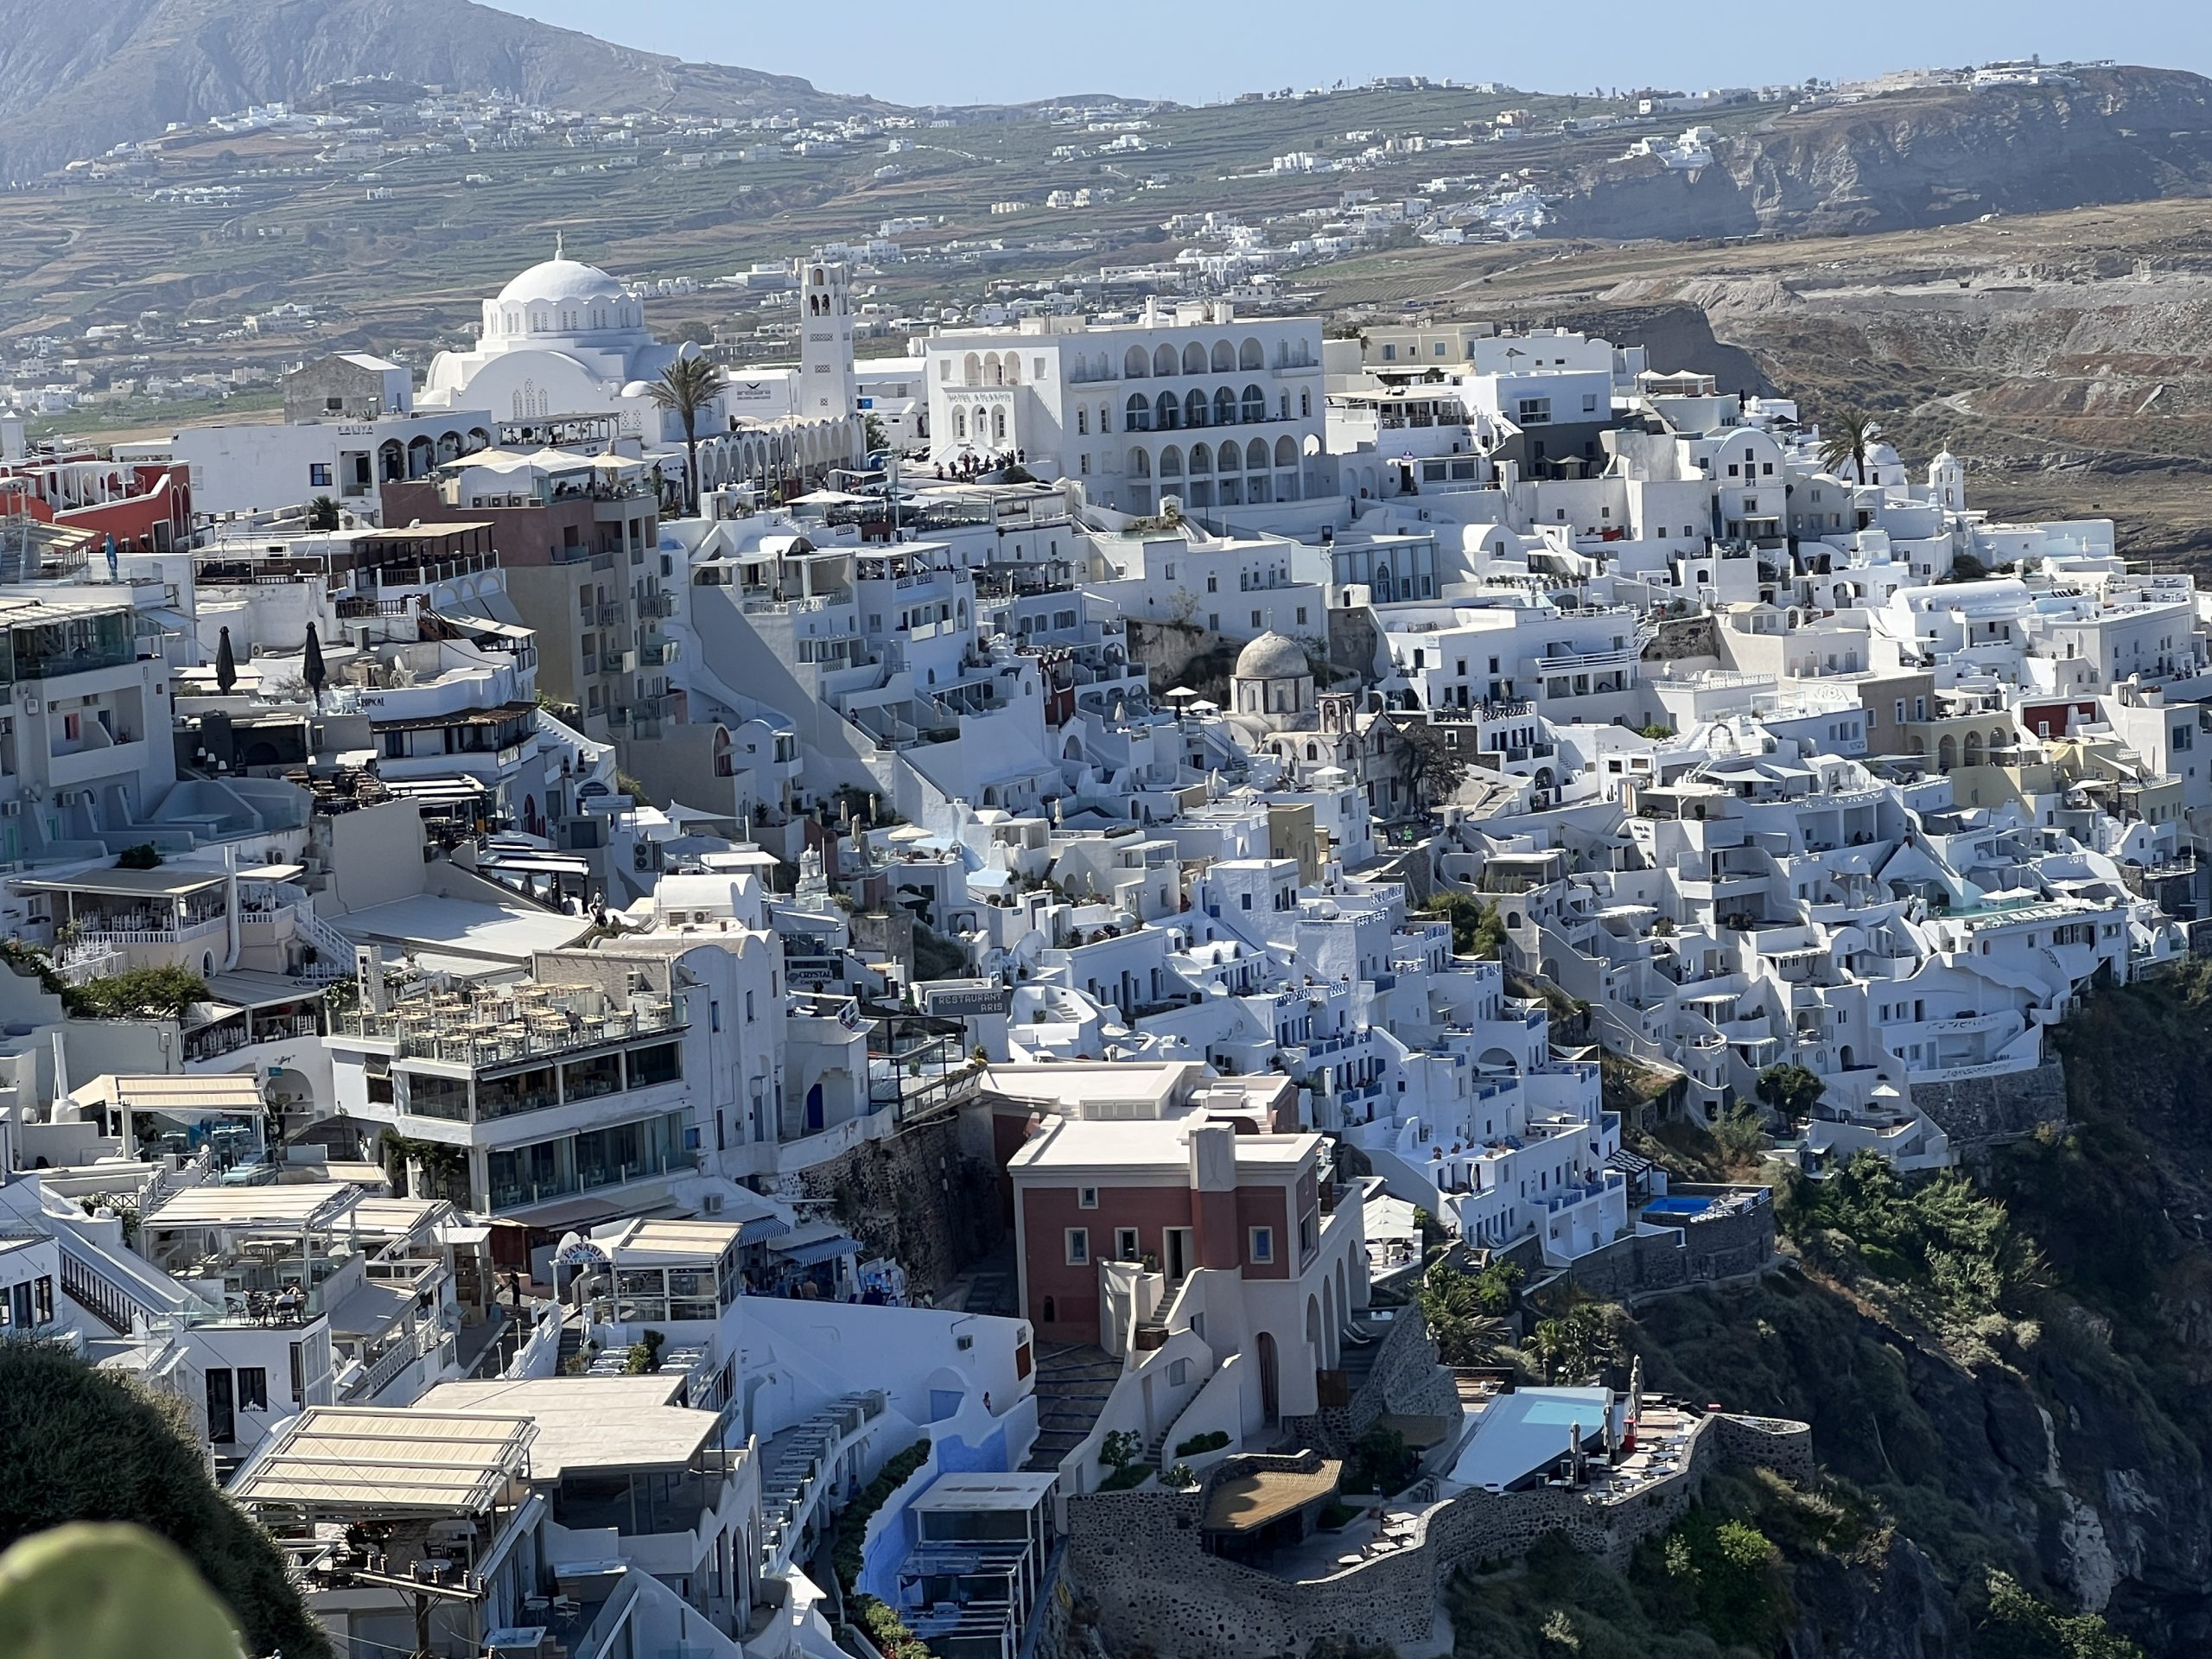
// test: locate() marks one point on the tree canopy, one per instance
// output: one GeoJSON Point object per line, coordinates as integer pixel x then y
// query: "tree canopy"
{"type": "Point", "coordinates": [83, 1444]}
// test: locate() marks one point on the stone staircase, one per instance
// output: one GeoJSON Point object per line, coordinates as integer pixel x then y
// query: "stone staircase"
{"type": "Point", "coordinates": [1073, 1383]}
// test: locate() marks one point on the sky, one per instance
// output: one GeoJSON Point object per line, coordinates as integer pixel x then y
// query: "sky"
{"type": "Point", "coordinates": [1198, 50]}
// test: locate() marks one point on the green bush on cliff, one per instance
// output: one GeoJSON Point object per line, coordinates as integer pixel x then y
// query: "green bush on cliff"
{"type": "Point", "coordinates": [2018, 1626]}
{"type": "Point", "coordinates": [1935, 1235]}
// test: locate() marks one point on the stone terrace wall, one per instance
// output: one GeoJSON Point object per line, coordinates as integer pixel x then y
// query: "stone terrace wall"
{"type": "Point", "coordinates": [1697, 1253]}
{"type": "Point", "coordinates": [1983, 1112]}
{"type": "Point", "coordinates": [1141, 1557]}
{"type": "Point", "coordinates": [1405, 1378]}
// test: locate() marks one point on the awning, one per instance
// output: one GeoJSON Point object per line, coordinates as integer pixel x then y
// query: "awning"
{"type": "Point", "coordinates": [805, 1255]}
{"type": "Point", "coordinates": [437, 791]}
{"type": "Point", "coordinates": [762, 1228]}
{"type": "Point", "coordinates": [484, 624]}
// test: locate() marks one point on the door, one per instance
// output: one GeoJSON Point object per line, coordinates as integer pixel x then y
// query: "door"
{"type": "Point", "coordinates": [813, 1109]}
{"type": "Point", "coordinates": [222, 1417]}
{"type": "Point", "coordinates": [1270, 1383]}
{"type": "Point", "coordinates": [1176, 1254]}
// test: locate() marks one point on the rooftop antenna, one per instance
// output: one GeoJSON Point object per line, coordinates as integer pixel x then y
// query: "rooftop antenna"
{"type": "Point", "coordinates": [558, 245]}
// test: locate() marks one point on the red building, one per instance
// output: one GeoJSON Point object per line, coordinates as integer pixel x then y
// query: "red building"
{"type": "Point", "coordinates": [1163, 1174]}
{"type": "Point", "coordinates": [145, 505]}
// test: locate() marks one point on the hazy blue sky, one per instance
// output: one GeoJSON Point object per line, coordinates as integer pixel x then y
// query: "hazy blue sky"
{"type": "Point", "coordinates": [1199, 49]}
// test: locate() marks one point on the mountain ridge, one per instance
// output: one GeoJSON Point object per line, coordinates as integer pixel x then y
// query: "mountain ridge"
{"type": "Point", "coordinates": [139, 65]}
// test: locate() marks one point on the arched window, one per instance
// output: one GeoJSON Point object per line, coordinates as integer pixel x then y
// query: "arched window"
{"type": "Point", "coordinates": [959, 423]}
{"type": "Point", "coordinates": [1014, 368]}
{"type": "Point", "coordinates": [1133, 364]}
{"type": "Point", "coordinates": [1305, 405]}
{"type": "Point", "coordinates": [1105, 417]}
{"type": "Point", "coordinates": [1255, 455]}
{"type": "Point", "coordinates": [1166, 413]}
{"type": "Point", "coordinates": [1224, 407]}
{"type": "Point", "coordinates": [972, 371]}
{"type": "Point", "coordinates": [1171, 462]}
{"type": "Point", "coordinates": [998, 426]}
{"type": "Point", "coordinates": [1194, 358]}
{"type": "Point", "coordinates": [1137, 417]}
{"type": "Point", "coordinates": [1081, 423]}
{"type": "Point", "coordinates": [1224, 356]}
{"type": "Point", "coordinates": [1255, 404]}
{"type": "Point", "coordinates": [1140, 464]}
{"type": "Point", "coordinates": [1249, 356]}
{"type": "Point", "coordinates": [1163, 361]}
{"type": "Point", "coordinates": [1286, 453]}
{"type": "Point", "coordinates": [1201, 458]}
{"type": "Point", "coordinates": [1194, 408]}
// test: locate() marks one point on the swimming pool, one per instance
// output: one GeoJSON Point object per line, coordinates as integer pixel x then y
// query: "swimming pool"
{"type": "Point", "coordinates": [1684, 1206]}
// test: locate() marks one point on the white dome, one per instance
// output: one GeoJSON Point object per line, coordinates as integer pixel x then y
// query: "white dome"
{"type": "Point", "coordinates": [559, 280]}
{"type": "Point", "coordinates": [1272, 657]}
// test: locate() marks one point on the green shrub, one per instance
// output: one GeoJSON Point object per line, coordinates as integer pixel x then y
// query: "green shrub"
{"type": "Point", "coordinates": [887, 1630]}
{"type": "Point", "coordinates": [850, 1542]}
{"type": "Point", "coordinates": [1212, 1440]}
{"type": "Point", "coordinates": [1126, 1475]}
{"type": "Point", "coordinates": [85, 1444]}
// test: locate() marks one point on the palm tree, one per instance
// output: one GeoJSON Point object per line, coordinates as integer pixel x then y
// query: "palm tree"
{"type": "Point", "coordinates": [688, 386]}
{"type": "Point", "coordinates": [1851, 438]}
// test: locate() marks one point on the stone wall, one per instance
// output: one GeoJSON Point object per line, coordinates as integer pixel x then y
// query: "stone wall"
{"type": "Point", "coordinates": [1404, 1378]}
{"type": "Point", "coordinates": [1983, 1112]}
{"type": "Point", "coordinates": [1141, 1556]}
{"type": "Point", "coordinates": [1683, 636]}
{"type": "Point", "coordinates": [916, 1196]}
{"type": "Point", "coordinates": [1698, 1252]}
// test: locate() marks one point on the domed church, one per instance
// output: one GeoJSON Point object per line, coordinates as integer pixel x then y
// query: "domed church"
{"type": "Point", "coordinates": [564, 338]}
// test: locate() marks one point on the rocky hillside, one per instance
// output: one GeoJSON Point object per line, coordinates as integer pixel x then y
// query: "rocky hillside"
{"type": "Point", "coordinates": [2004, 1376]}
{"type": "Point", "coordinates": [1930, 158]}
{"type": "Point", "coordinates": [123, 69]}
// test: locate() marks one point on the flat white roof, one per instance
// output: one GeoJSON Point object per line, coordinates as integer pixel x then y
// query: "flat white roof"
{"type": "Point", "coordinates": [1016, 1489]}
{"type": "Point", "coordinates": [384, 1458]}
{"type": "Point", "coordinates": [1137, 1143]}
{"type": "Point", "coordinates": [314, 1204]}
{"type": "Point", "coordinates": [462, 927]}
{"type": "Point", "coordinates": [656, 1240]}
{"type": "Point", "coordinates": [589, 1422]}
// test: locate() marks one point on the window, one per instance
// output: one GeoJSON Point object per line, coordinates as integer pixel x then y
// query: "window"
{"type": "Point", "coordinates": [253, 1388]}
{"type": "Point", "coordinates": [1083, 423]}
{"type": "Point", "coordinates": [1086, 1198]}
{"type": "Point", "coordinates": [1125, 1244]}
{"type": "Point", "coordinates": [1301, 615]}
{"type": "Point", "coordinates": [1078, 1247]}
{"type": "Point", "coordinates": [1264, 1244]}
{"type": "Point", "coordinates": [1255, 619]}
{"type": "Point", "coordinates": [1213, 584]}
{"type": "Point", "coordinates": [319, 474]}
{"type": "Point", "coordinates": [1533, 411]}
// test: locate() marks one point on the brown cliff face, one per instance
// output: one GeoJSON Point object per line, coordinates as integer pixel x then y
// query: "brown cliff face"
{"type": "Point", "coordinates": [1923, 158]}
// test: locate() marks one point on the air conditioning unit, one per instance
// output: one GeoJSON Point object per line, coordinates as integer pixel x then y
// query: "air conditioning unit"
{"type": "Point", "coordinates": [965, 1343]}
{"type": "Point", "coordinates": [11, 809]}
{"type": "Point", "coordinates": [29, 705]}
{"type": "Point", "coordinates": [710, 1204]}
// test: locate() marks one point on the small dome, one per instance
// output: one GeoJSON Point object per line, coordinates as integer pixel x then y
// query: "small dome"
{"type": "Point", "coordinates": [1273, 657]}
{"type": "Point", "coordinates": [556, 281]}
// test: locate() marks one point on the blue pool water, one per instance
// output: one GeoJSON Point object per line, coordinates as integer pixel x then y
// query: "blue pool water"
{"type": "Point", "coordinates": [1674, 1206]}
